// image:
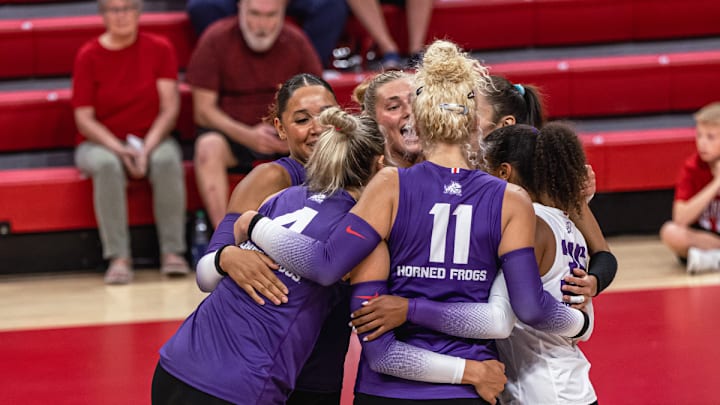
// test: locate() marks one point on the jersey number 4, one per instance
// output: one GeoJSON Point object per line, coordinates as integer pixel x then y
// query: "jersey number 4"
{"type": "Point", "coordinates": [438, 240]}
{"type": "Point", "coordinates": [299, 219]}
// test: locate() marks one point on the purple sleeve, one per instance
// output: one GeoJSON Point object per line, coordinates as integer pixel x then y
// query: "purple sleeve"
{"type": "Point", "coordinates": [476, 320]}
{"type": "Point", "coordinates": [386, 355]}
{"type": "Point", "coordinates": [223, 234]}
{"type": "Point", "coordinates": [532, 304]}
{"type": "Point", "coordinates": [323, 262]}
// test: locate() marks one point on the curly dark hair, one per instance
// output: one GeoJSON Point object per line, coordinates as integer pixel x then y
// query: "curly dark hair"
{"type": "Point", "coordinates": [548, 162]}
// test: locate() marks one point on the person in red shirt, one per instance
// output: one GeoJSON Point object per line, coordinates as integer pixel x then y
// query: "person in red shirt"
{"type": "Point", "coordinates": [235, 70]}
{"type": "Point", "coordinates": [126, 103]}
{"type": "Point", "coordinates": [692, 234]}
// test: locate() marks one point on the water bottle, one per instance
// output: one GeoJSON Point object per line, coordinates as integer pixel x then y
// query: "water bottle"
{"type": "Point", "coordinates": [200, 237]}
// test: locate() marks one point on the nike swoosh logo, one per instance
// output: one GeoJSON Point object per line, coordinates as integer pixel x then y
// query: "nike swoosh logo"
{"type": "Point", "coordinates": [367, 297]}
{"type": "Point", "coordinates": [349, 230]}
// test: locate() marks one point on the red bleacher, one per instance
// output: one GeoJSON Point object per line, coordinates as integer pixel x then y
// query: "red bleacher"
{"type": "Point", "coordinates": [638, 160]}
{"type": "Point", "coordinates": [476, 25]}
{"type": "Point", "coordinates": [574, 88]}
{"type": "Point", "coordinates": [47, 46]}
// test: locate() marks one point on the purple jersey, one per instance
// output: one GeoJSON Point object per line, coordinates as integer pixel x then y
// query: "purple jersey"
{"type": "Point", "coordinates": [443, 247]}
{"type": "Point", "coordinates": [323, 371]}
{"type": "Point", "coordinates": [242, 352]}
{"type": "Point", "coordinates": [295, 169]}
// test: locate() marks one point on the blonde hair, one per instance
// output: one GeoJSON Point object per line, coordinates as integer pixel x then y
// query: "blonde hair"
{"type": "Point", "coordinates": [445, 106]}
{"type": "Point", "coordinates": [365, 93]}
{"type": "Point", "coordinates": [345, 153]}
{"type": "Point", "coordinates": [710, 114]}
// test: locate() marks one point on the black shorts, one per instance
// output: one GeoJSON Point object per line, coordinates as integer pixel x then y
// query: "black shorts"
{"type": "Point", "coordinates": [365, 399]}
{"type": "Point", "coordinates": [169, 390]}
{"type": "Point", "coordinates": [313, 398]}
{"type": "Point", "coordinates": [245, 156]}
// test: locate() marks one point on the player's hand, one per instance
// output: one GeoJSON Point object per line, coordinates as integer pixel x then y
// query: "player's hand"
{"type": "Point", "coordinates": [265, 140]}
{"type": "Point", "coordinates": [380, 314]}
{"type": "Point", "coordinates": [254, 273]}
{"type": "Point", "coordinates": [582, 285]}
{"type": "Point", "coordinates": [488, 378]}
{"type": "Point", "coordinates": [240, 228]}
{"type": "Point", "coordinates": [590, 185]}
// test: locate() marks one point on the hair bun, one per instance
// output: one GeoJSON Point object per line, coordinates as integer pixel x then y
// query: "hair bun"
{"type": "Point", "coordinates": [342, 121]}
{"type": "Point", "coordinates": [440, 61]}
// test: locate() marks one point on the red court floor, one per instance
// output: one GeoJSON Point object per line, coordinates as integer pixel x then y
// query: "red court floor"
{"type": "Point", "coordinates": [649, 347]}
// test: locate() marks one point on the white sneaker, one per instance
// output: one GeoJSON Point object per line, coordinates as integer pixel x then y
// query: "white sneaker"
{"type": "Point", "coordinates": [701, 261]}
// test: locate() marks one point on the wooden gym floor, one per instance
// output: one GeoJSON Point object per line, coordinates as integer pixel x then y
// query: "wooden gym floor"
{"type": "Point", "coordinates": [70, 339]}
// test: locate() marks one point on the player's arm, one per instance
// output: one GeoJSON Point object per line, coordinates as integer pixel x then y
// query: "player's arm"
{"type": "Point", "coordinates": [352, 239]}
{"type": "Point", "coordinates": [491, 320]}
{"type": "Point", "coordinates": [386, 355]}
{"type": "Point", "coordinates": [530, 302]}
{"type": "Point", "coordinates": [252, 271]}
{"type": "Point", "coordinates": [603, 264]}
{"type": "Point", "coordinates": [686, 211]}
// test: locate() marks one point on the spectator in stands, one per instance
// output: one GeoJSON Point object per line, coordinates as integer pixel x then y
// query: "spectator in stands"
{"type": "Point", "coordinates": [322, 20]}
{"type": "Point", "coordinates": [234, 72]}
{"type": "Point", "coordinates": [370, 15]}
{"type": "Point", "coordinates": [125, 86]}
{"type": "Point", "coordinates": [692, 234]}
{"type": "Point", "coordinates": [386, 98]}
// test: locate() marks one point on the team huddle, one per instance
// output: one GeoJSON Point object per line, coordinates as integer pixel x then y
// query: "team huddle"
{"type": "Point", "coordinates": [447, 222]}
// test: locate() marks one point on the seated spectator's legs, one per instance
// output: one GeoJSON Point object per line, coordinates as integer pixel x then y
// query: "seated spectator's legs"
{"type": "Point", "coordinates": [370, 15]}
{"type": "Point", "coordinates": [680, 238]}
{"type": "Point", "coordinates": [202, 13]}
{"type": "Point", "coordinates": [167, 179]}
{"type": "Point", "coordinates": [109, 181]}
{"type": "Point", "coordinates": [323, 21]}
{"type": "Point", "coordinates": [418, 18]}
{"type": "Point", "coordinates": [213, 157]}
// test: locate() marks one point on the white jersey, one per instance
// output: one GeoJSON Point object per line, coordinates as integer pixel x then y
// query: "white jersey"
{"type": "Point", "coordinates": [546, 369]}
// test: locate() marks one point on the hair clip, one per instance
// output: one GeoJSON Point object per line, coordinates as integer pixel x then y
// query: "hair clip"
{"type": "Point", "coordinates": [471, 94]}
{"type": "Point", "coordinates": [520, 89]}
{"type": "Point", "coordinates": [418, 91]}
{"type": "Point", "coordinates": [453, 107]}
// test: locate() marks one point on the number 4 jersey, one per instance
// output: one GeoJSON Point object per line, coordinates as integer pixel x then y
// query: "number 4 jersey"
{"type": "Point", "coordinates": [242, 352]}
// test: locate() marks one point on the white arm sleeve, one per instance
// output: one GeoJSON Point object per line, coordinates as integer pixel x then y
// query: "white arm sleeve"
{"type": "Point", "coordinates": [206, 275]}
{"type": "Point", "coordinates": [492, 320]}
{"type": "Point", "coordinates": [413, 363]}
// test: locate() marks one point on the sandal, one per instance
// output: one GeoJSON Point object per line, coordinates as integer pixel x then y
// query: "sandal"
{"type": "Point", "coordinates": [119, 272]}
{"type": "Point", "coordinates": [174, 265]}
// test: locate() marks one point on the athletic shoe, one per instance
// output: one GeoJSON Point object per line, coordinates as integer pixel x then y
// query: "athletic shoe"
{"type": "Point", "coordinates": [701, 261]}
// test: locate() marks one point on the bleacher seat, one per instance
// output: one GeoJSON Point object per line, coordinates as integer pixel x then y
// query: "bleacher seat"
{"type": "Point", "coordinates": [47, 46]}
{"type": "Point", "coordinates": [60, 199]}
{"type": "Point", "coordinates": [586, 87]}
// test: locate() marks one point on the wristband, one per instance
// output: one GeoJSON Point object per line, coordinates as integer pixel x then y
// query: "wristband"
{"type": "Point", "coordinates": [254, 222]}
{"type": "Point", "coordinates": [217, 261]}
{"type": "Point", "coordinates": [603, 265]}
{"type": "Point", "coordinates": [586, 325]}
